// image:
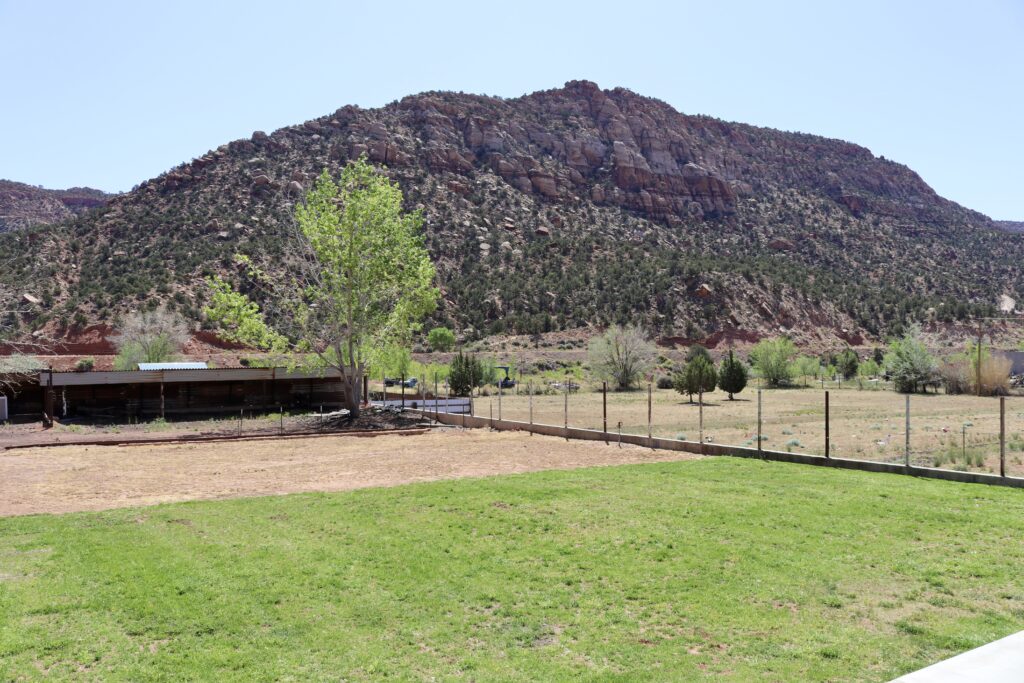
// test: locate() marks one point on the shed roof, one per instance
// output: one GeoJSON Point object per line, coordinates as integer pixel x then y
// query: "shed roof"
{"type": "Point", "coordinates": [186, 365]}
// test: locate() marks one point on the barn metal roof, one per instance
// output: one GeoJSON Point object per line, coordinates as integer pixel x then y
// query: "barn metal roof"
{"type": "Point", "coordinates": [188, 365]}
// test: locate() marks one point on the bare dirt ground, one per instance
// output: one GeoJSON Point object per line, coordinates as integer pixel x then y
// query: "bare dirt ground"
{"type": "Point", "coordinates": [85, 433]}
{"type": "Point", "coordinates": [73, 478]}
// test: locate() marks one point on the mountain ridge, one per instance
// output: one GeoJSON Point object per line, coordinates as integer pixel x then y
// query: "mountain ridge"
{"type": "Point", "coordinates": [23, 205]}
{"type": "Point", "coordinates": [569, 207]}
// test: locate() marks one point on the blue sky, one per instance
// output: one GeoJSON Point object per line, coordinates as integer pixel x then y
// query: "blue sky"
{"type": "Point", "coordinates": [108, 94]}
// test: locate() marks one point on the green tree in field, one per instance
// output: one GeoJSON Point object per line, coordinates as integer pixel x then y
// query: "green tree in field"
{"type": "Point", "coordinates": [771, 360]}
{"type": "Point", "coordinates": [805, 367]}
{"type": "Point", "coordinates": [396, 362]}
{"type": "Point", "coordinates": [359, 281]}
{"type": "Point", "coordinates": [696, 377]}
{"type": "Point", "coordinates": [847, 363]}
{"type": "Point", "coordinates": [464, 374]}
{"type": "Point", "coordinates": [908, 362]}
{"type": "Point", "coordinates": [732, 375]}
{"type": "Point", "coordinates": [868, 369]}
{"type": "Point", "coordinates": [441, 339]}
{"type": "Point", "coordinates": [622, 356]}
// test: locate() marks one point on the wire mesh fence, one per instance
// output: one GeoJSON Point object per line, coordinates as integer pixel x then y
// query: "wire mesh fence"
{"type": "Point", "coordinates": [853, 420]}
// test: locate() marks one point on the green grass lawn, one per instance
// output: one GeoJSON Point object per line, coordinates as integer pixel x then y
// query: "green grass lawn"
{"type": "Point", "coordinates": [732, 569]}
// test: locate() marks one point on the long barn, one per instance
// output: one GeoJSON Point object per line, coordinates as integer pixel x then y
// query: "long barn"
{"type": "Point", "coordinates": [148, 394]}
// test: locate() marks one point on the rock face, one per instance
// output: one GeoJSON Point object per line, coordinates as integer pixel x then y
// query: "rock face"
{"type": "Point", "coordinates": [564, 208]}
{"type": "Point", "coordinates": [23, 206]}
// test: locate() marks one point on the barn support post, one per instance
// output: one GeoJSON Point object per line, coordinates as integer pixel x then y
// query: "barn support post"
{"type": "Point", "coordinates": [48, 400]}
{"type": "Point", "coordinates": [162, 404]}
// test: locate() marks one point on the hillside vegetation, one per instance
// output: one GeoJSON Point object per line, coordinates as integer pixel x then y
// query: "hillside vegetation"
{"type": "Point", "coordinates": [559, 209]}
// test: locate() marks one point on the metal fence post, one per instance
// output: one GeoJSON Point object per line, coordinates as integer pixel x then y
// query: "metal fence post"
{"type": "Point", "coordinates": [700, 418]}
{"type": "Point", "coordinates": [567, 411]}
{"type": "Point", "coordinates": [906, 447]}
{"type": "Point", "coordinates": [499, 400]}
{"type": "Point", "coordinates": [436, 408]}
{"type": "Point", "coordinates": [604, 409]}
{"type": "Point", "coordinates": [530, 391]}
{"type": "Point", "coordinates": [240, 411]}
{"type": "Point", "coordinates": [759, 422]}
{"type": "Point", "coordinates": [828, 436]}
{"type": "Point", "coordinates": [1002, 436]}
{"type": "Point", "coordinates": [403, 392]}
{"type": "Point", "coordinates": [650, 440]}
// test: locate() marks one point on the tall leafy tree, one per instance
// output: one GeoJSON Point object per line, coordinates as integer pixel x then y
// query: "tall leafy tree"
{"type": "Point", "coordinates": [149, 337]}
{"type": "Point", "coordinates": [732, 375]}
{"type": "Point", "coordinates": [771, 359]}
{"type": "Point", "coordinates": [909, 363]}
{"type": "Point", "coordinates": [622, 355]}
{"type": "Point", "coordinates": [359, 281]}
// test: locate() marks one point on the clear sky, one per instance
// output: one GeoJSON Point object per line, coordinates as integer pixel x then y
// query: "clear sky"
{"type": "Point", "coordinates": [107, 94]}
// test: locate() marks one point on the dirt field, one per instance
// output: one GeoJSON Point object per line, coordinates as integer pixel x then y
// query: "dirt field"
{"type": "Point", "coordinates": [865, 424]}
{"type": "Point", "coordinates": [68, 478]}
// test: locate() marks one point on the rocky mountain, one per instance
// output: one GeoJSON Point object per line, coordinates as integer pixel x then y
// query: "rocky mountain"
{"type": "Point", "coordinates": [561, 209]}
{"type": "Point", "coordinates": [1011, 226]}
{"type": "Point", "coordinates": [22, 205]}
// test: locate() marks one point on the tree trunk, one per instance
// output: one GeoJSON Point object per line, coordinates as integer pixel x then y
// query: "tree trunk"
{"type": "Point", "coordinates": [351, 382]}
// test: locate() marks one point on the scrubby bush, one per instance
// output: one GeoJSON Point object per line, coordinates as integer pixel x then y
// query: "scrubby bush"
{"type": "Point", "coordinates": [85, 364]}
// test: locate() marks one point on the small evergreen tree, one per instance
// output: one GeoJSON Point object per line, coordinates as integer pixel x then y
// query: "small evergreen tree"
{"type": "Point", "coordinates": [696, 377]}
{"type": "Point", "coordinates": [847, 363]}
{"type": "Point", "coordinates": [465, 373]}
{"type": "Point", "coordinates": [732, 375]}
